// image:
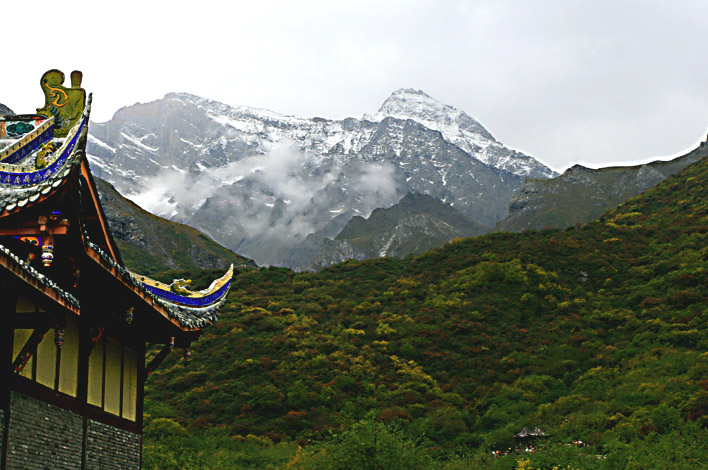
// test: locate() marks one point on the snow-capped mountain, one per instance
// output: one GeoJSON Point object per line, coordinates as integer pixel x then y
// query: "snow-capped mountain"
{"type": "Point", "coordinates": [272, 187]}
{"type": "Point", "coordinates": [460, 129]}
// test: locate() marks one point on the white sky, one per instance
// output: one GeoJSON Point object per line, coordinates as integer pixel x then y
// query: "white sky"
{"type": "Point", "coordinates": [566, 81]}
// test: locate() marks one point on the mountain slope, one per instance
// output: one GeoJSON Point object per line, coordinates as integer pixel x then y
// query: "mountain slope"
{"type": "Point", "coordinates": [582, 194]}
{"type": "Point", "coordinates": [414, 225]}
{"type": "Point", "coordinates": [260, 183]}
{"type": "Point", "coordinates": [595, 334]}
{"type": "Point", "coordinates": [150, 244]}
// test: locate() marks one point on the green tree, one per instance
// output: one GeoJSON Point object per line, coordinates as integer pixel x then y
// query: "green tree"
{"type": "Point", "coordinates": [367, 445]}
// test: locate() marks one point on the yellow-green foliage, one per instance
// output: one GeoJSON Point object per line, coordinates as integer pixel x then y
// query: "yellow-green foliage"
{"type": "Point", "coordinates": [595, 334]}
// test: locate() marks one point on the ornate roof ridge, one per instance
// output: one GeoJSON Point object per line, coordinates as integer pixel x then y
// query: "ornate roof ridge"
{"type": "Point", "coordinates": [178, 293]}
{"type": "Point", "coordinates": [29, 142]}
{"type": "Point", "coordinates": [18, 188]}
{"type": "Point", "coordinates": [68, 297]}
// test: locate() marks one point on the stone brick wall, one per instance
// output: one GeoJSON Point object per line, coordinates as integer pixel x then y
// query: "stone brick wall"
{"type": "Point", "coordinates": [42, 435]}
{"type": "Point", "coordinates": [109, 448]}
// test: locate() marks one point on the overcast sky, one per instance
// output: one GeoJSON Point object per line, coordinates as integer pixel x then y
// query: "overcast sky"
{"type": "Point", "coordinates": [592, 82]}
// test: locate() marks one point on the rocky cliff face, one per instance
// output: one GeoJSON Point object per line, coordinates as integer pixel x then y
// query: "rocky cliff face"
{"type": "Point", "coordinates": [272, 187]}
{"type": "Point", "coordinates": [4, 110]}
{"type": "Point", "coordinates": [414, 225]}
{"type": "Point", "coordinates": [582, 194]}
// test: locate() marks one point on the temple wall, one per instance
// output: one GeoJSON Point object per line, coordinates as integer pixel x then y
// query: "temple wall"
{"type": "Point", "coordinates": [42, 435]}
{"type": "Point", "coordinates": [109, 448]}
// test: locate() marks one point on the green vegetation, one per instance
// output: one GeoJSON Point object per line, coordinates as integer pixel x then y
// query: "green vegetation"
{"type": "Point", "coordinates": [595, 334]}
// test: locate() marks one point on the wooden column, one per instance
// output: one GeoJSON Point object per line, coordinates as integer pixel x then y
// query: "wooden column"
{"type": "Point", "coordinates": [142, 376]}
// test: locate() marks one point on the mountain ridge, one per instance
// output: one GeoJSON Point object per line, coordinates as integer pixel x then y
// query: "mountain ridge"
{"type": "Point", "coordinates": [413, 225]}
{"type": "Point", "coordinates": [582, 194]}
{"type": "Point", "coordinates": [261, 183]}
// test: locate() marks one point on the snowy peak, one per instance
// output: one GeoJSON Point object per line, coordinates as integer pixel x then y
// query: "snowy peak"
{"type": "Point", "coordinates": [460, 129]}
{"type": "Point", "coordinates": [408, 103]}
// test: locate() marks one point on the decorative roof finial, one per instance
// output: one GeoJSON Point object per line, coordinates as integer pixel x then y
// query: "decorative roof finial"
{"type": "Point", "coordinates": [65, 104]}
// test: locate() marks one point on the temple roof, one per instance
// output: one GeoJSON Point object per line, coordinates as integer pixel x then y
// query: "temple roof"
{"type": "Point", "coordinates": [34, 165]}
{"type": "Point", "coordinates": [22, 182]}
{"type": "Point", "coordinates": [193, 317]}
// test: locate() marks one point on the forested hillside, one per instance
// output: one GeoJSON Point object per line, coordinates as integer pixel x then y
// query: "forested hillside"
{"type": "Point", "coordinates": [596, 334]}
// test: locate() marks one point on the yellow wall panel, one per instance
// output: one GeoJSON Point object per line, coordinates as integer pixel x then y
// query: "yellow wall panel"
{"type": "Point", "coordinates": [47, 360]}
{"type": "Point", "coordinates": [113, 377]}
{"type": "Point", "coordinates": [130, 384]}
{"type": "Point", "coordinates": [69, 367]}
{"type": "Point", "coordinates": [95, 378]}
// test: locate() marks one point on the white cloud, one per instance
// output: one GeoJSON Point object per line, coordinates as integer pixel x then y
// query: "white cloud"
{"type": "Point", "coordinates": [274, 195]}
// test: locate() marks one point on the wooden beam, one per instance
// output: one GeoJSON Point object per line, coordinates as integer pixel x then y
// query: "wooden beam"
{"type": "Point", "coordinates": [86, 173]}
{"type": "Point", "coordinates": [43, 224]}
{"type": "Point", "coordinates": [31, 321]}
{"type": "Point", "coordinates": [28, 349]}
{"type": "Point", "coordinates": [156, 361]}
{"type": "Point", "coordinates": [22, 231]}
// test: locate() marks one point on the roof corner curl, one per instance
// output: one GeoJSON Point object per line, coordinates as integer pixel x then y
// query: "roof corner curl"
{"type": "Point", "coordinates": [193, 309]}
